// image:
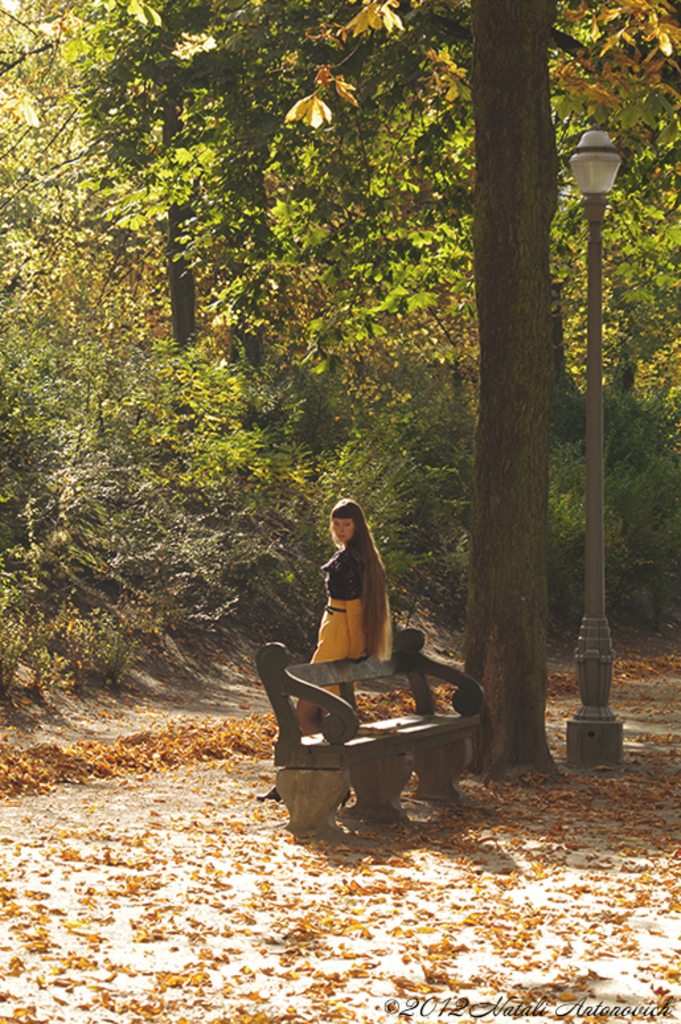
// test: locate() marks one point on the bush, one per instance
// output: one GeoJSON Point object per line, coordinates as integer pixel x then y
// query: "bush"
{"type": "Point", "coordinates": [566, 531]}
{"type": "Point", "coordinates": [409, 464]}
{"type": "Point", "coordinates": [12, 646]}
{"type": "Point", "coordinates": [642, 481]}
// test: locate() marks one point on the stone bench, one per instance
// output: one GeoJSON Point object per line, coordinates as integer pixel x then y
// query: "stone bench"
{"type": "Point", "coordinates": [377, 759]}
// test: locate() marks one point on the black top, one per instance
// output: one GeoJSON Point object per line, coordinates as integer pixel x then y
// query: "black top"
{"type": "Point", "coordinates": [342, 576]}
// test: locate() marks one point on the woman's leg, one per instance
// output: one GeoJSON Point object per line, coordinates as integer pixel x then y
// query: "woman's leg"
{"type": "Point", "coordinates": [309, 717]}
{"type": "Point", "coordinates": [333, 644]}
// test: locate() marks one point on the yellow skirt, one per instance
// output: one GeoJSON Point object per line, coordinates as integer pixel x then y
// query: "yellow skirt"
{"type": "Point", "coordinates": [340, 634]}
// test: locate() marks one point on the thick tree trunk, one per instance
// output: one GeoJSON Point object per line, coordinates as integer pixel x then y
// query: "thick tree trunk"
{"type": "Point", "coordinates": [180, 274]}
{"type": "Point", "coordinates": [515, 198]}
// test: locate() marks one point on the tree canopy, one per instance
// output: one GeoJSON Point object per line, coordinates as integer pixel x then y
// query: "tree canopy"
{"type": "Point", "coordinates": [289, 192]}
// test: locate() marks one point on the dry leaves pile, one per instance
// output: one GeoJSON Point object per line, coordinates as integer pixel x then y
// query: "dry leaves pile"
{"type": "Point", "coordinates": [160, 890]}
{"type": "Point", "coordinates": [39, 768]}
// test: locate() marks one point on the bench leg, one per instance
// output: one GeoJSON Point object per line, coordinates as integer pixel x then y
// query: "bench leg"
{"type": "Point", "coordinates": [312, 797]}
{"type": "Point", "coordinates": [378, 784]}
{"type": "Point", "coordinates": [439, 768]}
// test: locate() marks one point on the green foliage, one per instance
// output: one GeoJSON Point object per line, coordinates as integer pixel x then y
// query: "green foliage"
{"type": "Point", "coordinates": [93, 641]}
{"type": "Point", "coordinates": [642, 503]}
{"type": "Point", "coordinates": [408, 461]}
{"type": "Point", "coordinates": [24, 635]}
{"type": "Point", "coordinates": [566, 530]}
{"type": "Point", "coordinates": [12, 643]}
{"type": "Point", "coordinates": [79, 636]}
{"type": "Point", "coordinates": [187, 488]}
{"type": "Point", "coordinates": [116, 654]}
{"type": "Point", "coordinates": [336, 311]}
{"type": "Point", "coordinates": [58, 646]}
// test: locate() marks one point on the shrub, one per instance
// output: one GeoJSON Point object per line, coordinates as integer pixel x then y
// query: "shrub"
{"type": "Point", "coordinates": [115, 653]}
{"type": "Point", "coordinates": [642, 521]}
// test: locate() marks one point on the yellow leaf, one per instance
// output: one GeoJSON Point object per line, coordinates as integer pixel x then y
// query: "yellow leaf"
{"type": "Point", "coordinates": [363, 21]}
{"type": "Point", "coordinates": [375, 15]}
{"type": "Point", "coordinates": [345, 90]}
{"type": "Point", "coordinates": [318, 113]}
{"type": "Point", "coordinates": [28, 112]}
{"type": "Point", "coordinates": [665, 44]}
{"type": "Point", "coordinates": [299, 110]}
{"type": "Point", "coordinates": [391, 20]}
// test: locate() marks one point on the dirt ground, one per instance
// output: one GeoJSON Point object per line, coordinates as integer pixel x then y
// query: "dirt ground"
{"type": "Point", "coordinates": [174, 896]}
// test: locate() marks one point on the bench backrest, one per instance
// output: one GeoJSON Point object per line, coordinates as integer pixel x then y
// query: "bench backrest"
{"type": "Point", "coordinates": [283, 681]}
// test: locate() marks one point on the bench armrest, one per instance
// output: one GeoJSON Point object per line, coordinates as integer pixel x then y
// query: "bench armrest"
{"type": "Point", "coordinates": [468, 697]}
{"type": "Point", "coordinates": [281, 683]}
{"type": "Point", "coordinates": [340, 722]}
{"type": "Point", "coordinates": [272, 660]}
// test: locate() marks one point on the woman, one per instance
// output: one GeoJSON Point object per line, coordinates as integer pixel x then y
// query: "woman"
{"type": "Point", "coordinates": [356, 621]}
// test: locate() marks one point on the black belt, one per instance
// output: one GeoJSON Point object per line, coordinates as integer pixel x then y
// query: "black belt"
{"type": "Point", "coordinates": [343, 611]}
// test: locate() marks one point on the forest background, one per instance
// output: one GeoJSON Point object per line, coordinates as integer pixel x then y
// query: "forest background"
{"type": "Point", "coordinates": [215, 320]}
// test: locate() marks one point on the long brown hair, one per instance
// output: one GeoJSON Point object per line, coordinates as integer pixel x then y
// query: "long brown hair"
{"type": "Point", "coordinates": [375, 607]}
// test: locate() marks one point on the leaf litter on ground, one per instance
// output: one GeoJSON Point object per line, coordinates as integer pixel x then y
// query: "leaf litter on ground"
{"type": "Point", "coordinates": [140, 880]}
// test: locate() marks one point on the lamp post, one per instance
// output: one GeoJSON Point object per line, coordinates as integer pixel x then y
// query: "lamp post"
{"type": "Point", "coordinates": [593, 735]}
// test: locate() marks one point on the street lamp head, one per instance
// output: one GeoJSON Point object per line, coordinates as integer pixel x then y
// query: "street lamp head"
{"type": "Point", "coordinates": [595, 163]}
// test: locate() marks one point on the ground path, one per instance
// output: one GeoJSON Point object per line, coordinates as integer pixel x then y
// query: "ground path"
{"type": "Point", "coordinates": [172, 895]}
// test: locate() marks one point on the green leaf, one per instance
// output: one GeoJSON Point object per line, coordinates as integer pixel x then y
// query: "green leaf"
{"type": "Point", "coordinates": [422, 300]}
{"type": "Point", "coordinates": [145, 14]}
{"type": "Point", "coordinates": [668, 134]}
{"type": "Point", "coordinates": [75, 48]}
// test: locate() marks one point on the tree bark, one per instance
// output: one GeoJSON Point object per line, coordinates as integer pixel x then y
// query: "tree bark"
{"type": "Point", "coordinates": [180, 274]}
{"type": "Point", "coordinates": [515, 197]}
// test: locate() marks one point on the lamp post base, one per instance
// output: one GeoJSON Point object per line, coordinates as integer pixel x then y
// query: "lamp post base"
{"type": "Point", "coordinates": [590, 743]}
{"type": "Point", "coordinates": [594, 736]}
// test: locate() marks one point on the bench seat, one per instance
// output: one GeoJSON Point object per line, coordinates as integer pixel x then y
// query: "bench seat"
{"type": "Point", "coordinates": [396, 735]}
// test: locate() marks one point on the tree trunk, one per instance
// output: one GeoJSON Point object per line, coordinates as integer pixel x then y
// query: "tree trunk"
{"type": "Point", "coordinates": [180, 274]}
{"type": "Point", "coordinates": [515, 197]}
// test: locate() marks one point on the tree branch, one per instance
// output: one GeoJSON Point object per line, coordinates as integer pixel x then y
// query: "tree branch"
{"type": "Point", "coordinates": [10, 65]}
